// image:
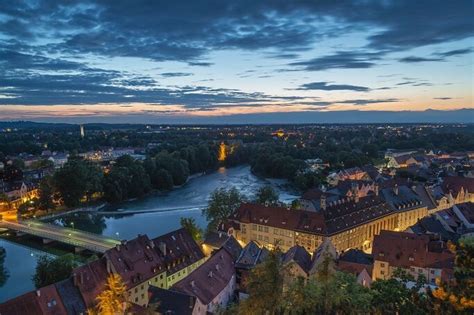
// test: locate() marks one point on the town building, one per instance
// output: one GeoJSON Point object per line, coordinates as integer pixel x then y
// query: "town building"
{"type": "Point", "coordinates": [416, 254]}
{"type": "Point", "coordinates": [347, 223]}
{"type": "Point", "coordinates": [358, 263]}
{"type": "Point", "coordinates": [406, 203]}
{"type": "Point", "coordinates": [250, 256]}
{"type": "Point", "coordinates": [162, 301]}
{"type": "Point", "coordinates": [296, 263]}
{"type": "Point", "coordinates": [354, 173]}
{"type": "Point", "coordinates": [213, 283]}
{"type": "Point", "coordinates": [44, 301]}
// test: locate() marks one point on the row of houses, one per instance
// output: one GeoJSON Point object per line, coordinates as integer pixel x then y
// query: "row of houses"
{"type": "Point", "coordinates": [142, 262]}
{"type": "Point", "coordinates": [349, 214]}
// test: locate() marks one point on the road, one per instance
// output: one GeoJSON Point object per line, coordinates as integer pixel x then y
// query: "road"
{"type": "Point", "coordinates": [90, 241]}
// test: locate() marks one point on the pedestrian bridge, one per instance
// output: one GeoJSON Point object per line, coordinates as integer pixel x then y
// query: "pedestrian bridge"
{"type": "Point", "coordinates": [77, 238]}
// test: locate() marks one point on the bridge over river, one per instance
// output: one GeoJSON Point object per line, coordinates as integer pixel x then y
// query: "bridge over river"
{"type": "Point", "coordinates": [77, 238]}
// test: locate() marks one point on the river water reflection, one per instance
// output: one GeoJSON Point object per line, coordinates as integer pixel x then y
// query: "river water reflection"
{"type": "Point", "coordinates": [19, 266]}
{"type": "Point", "coordinates": [154, 216]}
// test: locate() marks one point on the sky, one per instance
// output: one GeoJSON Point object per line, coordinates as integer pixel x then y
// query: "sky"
{"type": "Point", "coordinates": [236, 61]}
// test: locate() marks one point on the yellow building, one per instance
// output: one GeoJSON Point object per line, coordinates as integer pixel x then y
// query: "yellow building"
{"type": "Point", "coordinates": [160, 262]}
{"type": "Point", "coordinates": [348, 223]}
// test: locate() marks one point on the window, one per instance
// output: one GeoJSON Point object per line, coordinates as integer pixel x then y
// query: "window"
{"type": "Point", "coordinates": [260, 228]}
{"type": "Point", "coordinates": [382, 265]}
{"type": "Point", "coordinates": [265, 229]}
{"type": "Point", "coordinates": [275, 231]}
{"type": "Point", "coordinates": [136, 299]}
{"type": "Point", "coordinates": [382, 272]}
{"type": "Point", "coordinates": [136, 290]}
{"type": "Point", "coordinates": [254, 227]}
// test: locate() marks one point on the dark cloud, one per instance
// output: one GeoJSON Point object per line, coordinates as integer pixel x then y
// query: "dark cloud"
{"type": "Point", "coordinates": [443, 98]}
{"type": "Point", "coordinates": [455, 52]}
{"type": "Point", "coordinates": [340, 60]}
{"type": "Point", "coordinates": [200, 64]}
{"type": "Point", "coordinates": [326, 86]}
{"type": "Point", "coordinates": [368, 101]}
{"type": "Point", "coordinates": [414, 59]}
{"type": "Point", "coordinates": [175, 74]}
{"type": "Point", "coordinates": [186, 31]}
{"type": "Point", "coordinates": [414, 82]}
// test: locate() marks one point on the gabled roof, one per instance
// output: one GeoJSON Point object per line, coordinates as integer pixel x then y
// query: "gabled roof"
{"type": "Point", "coordinates": [402, 198]}
{"type": "Point", "coordinates": [280, 217]}
{"type": "Point", "coordinates": [467, 210]}
{"type": "Point", "coordinates": [90, 279]}
{"type": "Point", "coordinates": [356, 256]}
{"type": "Point", "coordinates": [404, 250]}
{"type": "Point", "coordinates": [44, 301]}
{"type": "Point", "coordinates": [298, 255]}
{"type": "Point", "coordinates": [71, 297]}
{"type": "Point", "coordinates": [170, 302]}
{"type": "Point", "coordinates": [455, 184]}
{"type": "Point", "coordinates": [209, 279]}
{"type": "Point", "coordinates": [180, 250]}
{"type": "Point", "coordinates": [135, 260]}
{"type": "Point", "coordinates": [251, 255]}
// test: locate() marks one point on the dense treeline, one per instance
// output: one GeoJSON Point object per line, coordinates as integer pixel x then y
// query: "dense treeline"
{"type": "Point", "coordinates": [66, 138]}
{"type": "Point", "coordinates": [80, 180]}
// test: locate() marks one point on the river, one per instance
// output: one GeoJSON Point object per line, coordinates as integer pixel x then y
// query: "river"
{"type": "Point", "coordinates": [153, 215]}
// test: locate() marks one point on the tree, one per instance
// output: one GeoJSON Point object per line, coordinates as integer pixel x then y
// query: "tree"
{"type": "Point", "coordinates": [50, 270]}
{"type": "Point", "coordinates": [113, 299]}
{"type": "Point", "coordinates": [127, 179]}
{"type": "Point", "coordinates": [46, 191]}
{"type": "Point", "coordinates": [458, 296]}
{"type": "Point", "coordinates": [338, 294]}
{"type": "Point", "coordinates": [76, 179]}
{"type": "Point", "coordinates": [222, 203]}
{"type": "Point", "coordinates": [264, 287]}
{"type": "Point", "coordinates": [193, 229]}
{"type": "Point", "coordinates": [393, 296]}
{"type": "Point", "coordinates": [267, 194]}
{"type": "Point", "coordinates": [4, 274]}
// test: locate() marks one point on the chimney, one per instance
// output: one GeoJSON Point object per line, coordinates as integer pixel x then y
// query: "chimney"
{"type": "Point", "coordinates": [210, 274]}
{"type": "Point", "coordinates": [74, 279]}
{"type": "Point", "coordinates": [376, 188]}
{"type": "Point", "coordinates": [38, 293]}
{"type": "Point", "coordinates": [82, 278]}
{"type": "Point", "coordinates": [395, 189]}
{"type": "Point", "coordinates": [191, 302]}
{"type": "Point", "coordinates": [323, 202]}
{"type": "Point", "coordinates": [163, 248]}
{"type": "Point", "coordinates": [152, 244]}
{"type": "Point", "coordinates": [217, 267]}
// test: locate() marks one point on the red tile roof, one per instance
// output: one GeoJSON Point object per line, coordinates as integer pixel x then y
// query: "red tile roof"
{"type": "Point", "coordinates": [180, 250]}
{"type": "Point", "coordinates": [90, 279]}
{"type": "Point", "coordinates": [404, 250]}
{"type": "Point", "coordinates": [467, 210]}
{"type": "Point", "coordinates": [44, 301]}
{"type": "Point", "coordinates": [136, 260]}
{"type": "Point", "coordinates": [454, 184]}
{"type": "Point", "coordinates": [209, 279]}
{"type": "Point", "coordinates": [279, 217]}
